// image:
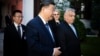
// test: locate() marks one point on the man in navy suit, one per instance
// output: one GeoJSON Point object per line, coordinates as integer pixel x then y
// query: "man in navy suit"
{"type": "Point", "coordinates": [68, 36]}
{"type": "Point", "coordinates": [39, 35]}
{"type": "Point", "coordinates": [14, 37]}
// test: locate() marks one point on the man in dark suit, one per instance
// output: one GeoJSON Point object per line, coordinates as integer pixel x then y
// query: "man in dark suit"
{"type": "Point", "coordinates": [67, 36]}
{"type": "Point", "coordinates": [14, 37]}
{"type": "Point", "coordinates": [39, 35]}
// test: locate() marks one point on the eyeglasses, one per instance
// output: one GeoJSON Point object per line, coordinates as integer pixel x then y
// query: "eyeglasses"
{"type": "Point", "coordinates": [19, 16]}
{"type": "Point", "coordinates": [55, 14]}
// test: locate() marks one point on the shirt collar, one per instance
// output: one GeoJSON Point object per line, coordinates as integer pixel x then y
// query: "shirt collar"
{"type": "Point", "coordinates": [42, 19]}
{"type": "Point", "coordinates": [70, 24]}
{"type": "Point", "coordinates": [16, 24]}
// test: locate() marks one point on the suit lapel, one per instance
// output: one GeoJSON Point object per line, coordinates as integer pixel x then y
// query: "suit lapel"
{"type": "Point", "coordinates": [76, 29]}
{"type": "Point", "coordinates": [43, 27]}
{"type": "Point", "coordinates": [23, 31]}
{"type": "Point", "coordinates": [66, 25]}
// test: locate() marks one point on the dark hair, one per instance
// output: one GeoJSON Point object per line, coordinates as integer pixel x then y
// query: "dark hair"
{"type": "Point", "coordinates": [16, 11]}
{"type": "Point", "coordinates": [46, 3]}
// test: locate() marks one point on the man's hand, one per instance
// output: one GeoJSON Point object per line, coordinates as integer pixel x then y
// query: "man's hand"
{"type": "Point", "coordinates": [56, 51]}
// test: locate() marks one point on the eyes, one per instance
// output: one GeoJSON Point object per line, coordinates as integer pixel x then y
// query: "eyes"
{"type": "Point", "coordinates": [55, 14]}
{"type": "Point", "coordinates": [72, 15]}
{"type": "Point", "coordinates": [19, 16]}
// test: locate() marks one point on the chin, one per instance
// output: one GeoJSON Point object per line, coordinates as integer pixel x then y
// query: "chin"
{"type": "Point", "coordinates": [50, 18]}
{"type": "Point", "coordinates": [19, 23]}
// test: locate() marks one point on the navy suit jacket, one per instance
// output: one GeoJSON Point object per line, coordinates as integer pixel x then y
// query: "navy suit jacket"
{"type": "Point", "coordinates": [39, 40]}
{"type": "Point", "coordinates": [69, 42]}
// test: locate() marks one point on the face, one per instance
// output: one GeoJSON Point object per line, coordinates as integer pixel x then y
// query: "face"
{"type": "Point", "coordinates": [69, 17]}
{"type": "Point", "coordinates": [17, 18]}
{"type": "Point", "coordinates": [56, 15]}
{"type": "Point", "coordinates": [49, 11]}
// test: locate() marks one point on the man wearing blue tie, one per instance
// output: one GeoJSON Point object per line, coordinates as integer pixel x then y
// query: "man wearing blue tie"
{"type": "Point", "coordinates": [39, 35]}
{"type": "Point", "coordinates": [68, 36]}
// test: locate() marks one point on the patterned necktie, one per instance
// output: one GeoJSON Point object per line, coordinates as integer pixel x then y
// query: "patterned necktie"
{"type": "Point", "coordinates": [48, 28]}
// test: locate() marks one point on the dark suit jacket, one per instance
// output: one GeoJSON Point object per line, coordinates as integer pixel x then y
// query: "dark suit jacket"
{"type": "Point", "coordinates": [70, 44]}
{"type": "Point", "coordinates": [55, 30]}
{"type": "Point", "coordinates": [39, 40]}
{"type": "Point", "coordinates": [14, 45]}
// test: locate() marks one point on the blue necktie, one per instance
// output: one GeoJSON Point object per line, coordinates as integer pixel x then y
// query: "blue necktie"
{"type": "Point", "coordinates": [48, 28]}
{"type": "Point", "coordinates": [74, 30]}
{"type": "Point", "coordinates": [19, 31]}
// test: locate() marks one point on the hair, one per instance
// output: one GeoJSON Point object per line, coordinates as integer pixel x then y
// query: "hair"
{"type": "Point", "coordinates": [57, 10]}
{"type": "Point", "coordinates": [16, 11]}
{"type": "Point", "coordinates": [69, 9]}
{"type": "Point", "coordinates": [46, 3]}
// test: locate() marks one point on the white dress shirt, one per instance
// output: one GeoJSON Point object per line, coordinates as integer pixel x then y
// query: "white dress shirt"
{"type": "Point", "coordinates": [16, 26]}
{"type": "Point", "coordinates": [73, 28]}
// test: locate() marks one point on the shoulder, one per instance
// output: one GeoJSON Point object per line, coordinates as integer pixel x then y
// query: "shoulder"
{"type": "Point", "coordinates": [23, 26]}
{"type": "Point", "coordinates": [33, 21]}
{"type": "Point", "coordinates": [9, 26]}
{"type": "Point", "coordinates": [62, 24]}
{"type": "Point", "coordinates": [33, 24]}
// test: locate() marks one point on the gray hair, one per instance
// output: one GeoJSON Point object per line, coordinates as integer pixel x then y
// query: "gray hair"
{"type": "Point", "coordinates": [69, 9]}
{"type": "Point", "coordinates": [57, 10]}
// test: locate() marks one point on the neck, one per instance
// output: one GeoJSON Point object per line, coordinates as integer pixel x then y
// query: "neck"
{"type": "Point", "coordinates": [43, 16]}
{"type": "Point", "coordinates": [57, 20]}
{"type": "Point", "coordinates": [17, 23]}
